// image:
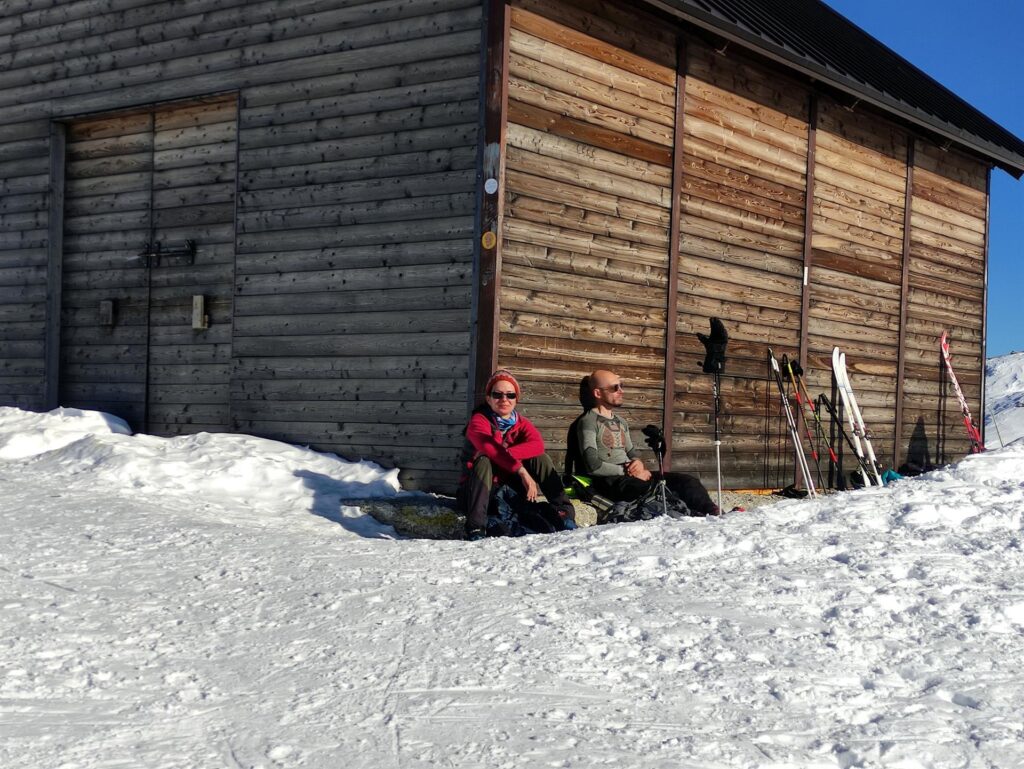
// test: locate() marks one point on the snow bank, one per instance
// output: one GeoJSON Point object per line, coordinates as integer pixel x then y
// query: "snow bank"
{"type": "Point", "coordinates": [253, 478]}
{"type": "Point", "coordinates": [26, 433]}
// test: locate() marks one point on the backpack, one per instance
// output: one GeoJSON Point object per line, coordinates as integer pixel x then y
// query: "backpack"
{"type": "Point", "coordinates": [511, 515]}
{"type": "Point", "coordinates": [645, 507]}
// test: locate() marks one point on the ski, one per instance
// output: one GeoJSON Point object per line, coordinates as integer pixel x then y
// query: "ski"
{"type": "Point", "coordinates": [825, 403]}
{"type": "Point", "coordinates": [791, 424]}
{"type": "Point", "coordinates": [861, 439]}
{"type": "Point", "coordinates": [973, 433]}
{"type": "Point", "coordinates": [792, 368]}
{"type": "Point", "coordinates": [814, 409]}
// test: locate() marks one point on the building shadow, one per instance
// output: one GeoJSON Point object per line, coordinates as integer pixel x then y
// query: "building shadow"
{"type": "Point", "coordinates": [328, 494]}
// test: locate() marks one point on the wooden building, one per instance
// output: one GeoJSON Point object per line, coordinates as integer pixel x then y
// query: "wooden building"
{"type": "Point", "coordinates": [324, 221]}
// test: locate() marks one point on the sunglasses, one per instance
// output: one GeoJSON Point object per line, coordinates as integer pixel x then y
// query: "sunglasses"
{"type": "Point", "coordinates": [613, 388]}
{"type": "Point", "coordinates": [497, 395]}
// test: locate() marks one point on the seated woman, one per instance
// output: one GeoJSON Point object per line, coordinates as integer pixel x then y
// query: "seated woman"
{"type": "Point", "coordinates": [503, 448]}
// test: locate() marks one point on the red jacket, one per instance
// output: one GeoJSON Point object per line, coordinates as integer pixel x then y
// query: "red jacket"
{"type": "Point", "coordinates": [506, 452]}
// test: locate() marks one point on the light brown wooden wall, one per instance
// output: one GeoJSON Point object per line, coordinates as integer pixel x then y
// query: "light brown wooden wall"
{"type": "Point", "coordinates": [357, 153]}
{"type": "Point", "coordinates": [947, 287]}
{"type": "Point", "coordinates": [587, 217]}
{"type": "Point", "coordinates": [586, 221]}
{"type": "Point", "coordinates": [857, 260]}
{"type": "Point", "coordinates": [740, 259]}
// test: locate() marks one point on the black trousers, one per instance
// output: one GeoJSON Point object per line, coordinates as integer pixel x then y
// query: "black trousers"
{"type": "Point", "coordinates": [478, 487]}
{"type": "Point", "coordinates": [625, 488]}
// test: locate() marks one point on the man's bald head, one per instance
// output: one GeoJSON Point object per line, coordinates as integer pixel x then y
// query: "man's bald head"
{"type": "Point", "coordinates": [606, 388]}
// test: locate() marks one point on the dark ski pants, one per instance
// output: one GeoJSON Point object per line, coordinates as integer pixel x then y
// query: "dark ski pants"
{"type": "Point", "coordinates": [477, 490]}
{"type": "Point", "coordinates": [625, 488]}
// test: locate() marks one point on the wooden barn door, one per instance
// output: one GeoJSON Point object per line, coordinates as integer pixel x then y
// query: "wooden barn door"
{"type": "Point", "coordinates": [148, 266]}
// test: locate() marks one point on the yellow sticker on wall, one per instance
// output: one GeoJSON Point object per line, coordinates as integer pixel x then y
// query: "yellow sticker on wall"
{"type": "Point", "coordinates": [489, 240]}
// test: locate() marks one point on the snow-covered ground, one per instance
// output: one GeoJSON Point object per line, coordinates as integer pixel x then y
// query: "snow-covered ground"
{"type": "Point", "coordinates": [205, 602]}
{"type": "Point", "coordinates": [1004, 393]}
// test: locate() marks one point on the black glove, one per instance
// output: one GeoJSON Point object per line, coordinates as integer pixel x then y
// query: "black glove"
{"type": "Point", "coordinates": [714, 360]}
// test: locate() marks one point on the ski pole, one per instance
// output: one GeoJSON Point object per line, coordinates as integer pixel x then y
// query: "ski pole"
{"type": "Point", "coordinates": [791, 423]}
{"type": "Point", "coordinates": [819, 427]}
{"type": "Point", "coordinates": [788, 365]}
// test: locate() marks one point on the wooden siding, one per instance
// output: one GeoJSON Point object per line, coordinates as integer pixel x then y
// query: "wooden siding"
{"type": "Point", "coordinates": [857, 261]}
{"type": "Point", "coordinates": [741, 260]}
{"type": "Point", "coordinates": [353, 191]}
{"type": "Point", "coordinates": [354, 243]}
{"type": "Point", "coordinates": [797, 264]}
{"type": "Point", "coordinates": [586, 219]}
{"type": "Point", "coordinates": [947, 285]}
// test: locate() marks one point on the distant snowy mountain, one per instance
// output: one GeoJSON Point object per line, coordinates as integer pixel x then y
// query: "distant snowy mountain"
{"type": "Point", "coordinates": [1004, 395]}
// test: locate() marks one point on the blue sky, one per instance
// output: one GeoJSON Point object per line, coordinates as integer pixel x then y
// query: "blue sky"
{"type": "Point", "coordinates": [975, 50]}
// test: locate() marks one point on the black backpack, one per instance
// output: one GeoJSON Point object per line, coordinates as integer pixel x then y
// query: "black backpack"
{"type": "Point", "coordinates": [511, 515]}
{"type": "Point", "coordinates": [646, 507]}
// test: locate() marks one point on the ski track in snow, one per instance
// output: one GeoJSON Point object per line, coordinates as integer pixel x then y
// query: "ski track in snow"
{"type": "Point", "coordinates": [146, 624]}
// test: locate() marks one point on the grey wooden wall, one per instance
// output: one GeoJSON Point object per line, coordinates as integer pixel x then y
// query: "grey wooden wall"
{"type": "Point", "coordinates": [354, 222]}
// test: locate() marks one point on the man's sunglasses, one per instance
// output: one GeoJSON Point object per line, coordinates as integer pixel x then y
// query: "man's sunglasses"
{"type": "Point", "coordinates": [496, 395]}
{"type": "Point", "coordinates": [613, 388]}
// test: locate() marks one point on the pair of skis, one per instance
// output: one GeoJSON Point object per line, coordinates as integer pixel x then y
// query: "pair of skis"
{"type": "Point", "coordinates": [858, 437]}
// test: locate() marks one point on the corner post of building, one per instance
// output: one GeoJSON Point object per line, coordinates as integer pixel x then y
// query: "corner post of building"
{"type": "Point", "coordinates": [901, 350]}
{"type": "Point", "coordinates": [984, 300]}
{"type": "Point", "coordinates": [675, 233]}
{"type": "Point", "coordinates": [491, 194]}
{"type": "Point", "coordinates": [808, 251]}
{"type": "Point", "coordinates": [54, 265]}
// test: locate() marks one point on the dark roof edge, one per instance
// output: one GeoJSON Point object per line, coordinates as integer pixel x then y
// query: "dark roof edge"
{"type": "Point", "coordinates": [1009, 161]}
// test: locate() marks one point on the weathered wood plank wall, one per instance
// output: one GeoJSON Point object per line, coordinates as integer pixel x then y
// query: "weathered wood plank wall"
{"type": "Point", "coordinates": [857, 259]}
{"type": "Point", "coordinates": [357, 153]}
{"type": "Point", "coordinates": [741, 259]}
{"type": "Point", "coordinates": [947, 274]}
{"type": "Point", "coordinates": [352, 233]}
{"type": "Point", "coordinates": [586, 220]}
{"type": "Point", "coordinates": [588, 212]}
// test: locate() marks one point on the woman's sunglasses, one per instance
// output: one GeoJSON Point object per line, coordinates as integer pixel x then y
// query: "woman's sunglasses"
{"type": "Point", "coordinates": [496, 395]}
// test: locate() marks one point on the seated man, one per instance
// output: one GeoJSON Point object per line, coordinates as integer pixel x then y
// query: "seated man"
{"type": "Point", "coordinates": [607, 454]}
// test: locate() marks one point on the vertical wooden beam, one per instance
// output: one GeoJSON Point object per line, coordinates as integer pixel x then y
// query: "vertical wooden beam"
{"type": "Point", "coordinates": [805, 298]}
{"type": "Point", "coordinates": [234, 384]}
{"type": "Point", "coordinates": [55, 266]}
{"type": "Point", "coordinates": [984, 300]}
{"type": "Point", "coordinates": [675, 233]}
{"type": "Point", "coordinates": [149, 274]}
{"type": "Point", "coordinates": [901, 349]}
{"type": "Point", "coordinates": [491, 194]}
